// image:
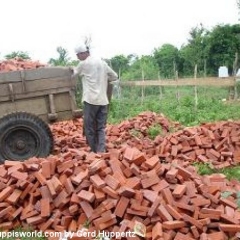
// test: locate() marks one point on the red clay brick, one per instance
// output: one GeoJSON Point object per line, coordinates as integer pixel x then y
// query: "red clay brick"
{"type": "Point", "coordinates": [172, 225]}
{"type": "Point", "coordinates": [173, 212]}
{"type": "Point", "coordinates": [157, 231]}
{"type": "Point", "coordinates": [126, 192]}
{"type": "Point", "coordinates": [110, 192]}
{"type": "Point", "coordinates": [86, 195]}
{"type": "Point", "coordinates": [61, 199]}
{"type": "Point", "coordinates": [179, 191]}
{"type": "Point", "coordinates": [193, 221]}
{"type": "Point", "coordinates": [13, 198]}
{"type": "Point", "coordinates": [163, 213]}
{"type": "Point", "coordinates": [19, 175]}
{"type": "Point", "coordinates": [45, 207]}
{"type": "Point", "coordinates": [5, 193]}
{"type": "Point", "coordinates": [87, 208]}
{"type": "Point", "coordinates": [97, 181]}
{"type": "Point", "coordinates": [112, 182]}
{"type": "Point", "coordinates": [229, 227]}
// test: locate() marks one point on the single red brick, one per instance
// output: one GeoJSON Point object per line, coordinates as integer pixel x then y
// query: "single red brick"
{"type": "Point", "coordinates": [20, 175]}
{"type": "Point", "coordinates": [173, 212]}
{"type": "Point", "coordinates": [172, 225]}
{"type": "Point", "coordinates": [112, 182]}
{"type": "Point", "coordinates": [193, 221]}
{"type": "Point", "coordinates": [5, 193]}
{"type": "Point", "coordinates": [97, 181]}
{"type": "Point", "coordinates": [163, 213]}
{"type": "Point", "coordinates": [13, 198]}
{"type": "Point", "coordinates": [87, 208]}
{"type": "Point", "coordinates": [179, 191]}
{"type": "Point", "coordinates": [234, 228]}
{"type": "Point", "coordinates": [157, 231]}
{"type": "Point", "coordinates": [45, 207]}
{"type": "Point", "coordinates": [152, 162]}
{"type": "Point", "coordinates": [86, 195]}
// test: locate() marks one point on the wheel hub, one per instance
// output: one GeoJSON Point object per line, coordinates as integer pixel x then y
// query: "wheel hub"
{"type": "Point", "coordinates": [20, 144]}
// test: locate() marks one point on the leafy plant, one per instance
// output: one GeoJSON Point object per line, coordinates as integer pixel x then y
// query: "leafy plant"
{"type": "Point", "coordinates": [23, 55]}
{"type": "Point", "coordinates": [154, 131]}
{"type": "Point", "coordinates": [86, 224]}
{"type": "Point", "coordinates": [204, 168]}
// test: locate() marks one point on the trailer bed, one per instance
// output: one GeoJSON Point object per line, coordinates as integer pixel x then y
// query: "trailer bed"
{"type": "Point", "coordinates": [47, 92]}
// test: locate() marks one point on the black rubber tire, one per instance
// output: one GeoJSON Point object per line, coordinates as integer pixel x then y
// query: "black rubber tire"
{"type": "Point", "coordinates": [24, 135]}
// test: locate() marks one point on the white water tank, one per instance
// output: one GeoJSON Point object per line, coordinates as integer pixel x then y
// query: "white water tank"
{"type": "Point", "coordinates": [223, 72]}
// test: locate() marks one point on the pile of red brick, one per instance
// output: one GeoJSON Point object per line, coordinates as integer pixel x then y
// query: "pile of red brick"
{"type": "Point", "coordinates": [138, 182]}
{"type": "Point", "coordinates": [214, 143]}
{"type": "Point", "coordinates": [18, 64]}
{"type": "Point", "coordinates": [116, 191]}
{"type": "Point", "coordinates": [132, 132]}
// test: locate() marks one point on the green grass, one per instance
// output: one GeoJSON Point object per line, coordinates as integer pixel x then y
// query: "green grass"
{"type": "Point", "coordinates": [230, 172]}
{"type": "Point", "coordinates": [154, 131]}
{"type": "Point", "coordinates": [210, 107]}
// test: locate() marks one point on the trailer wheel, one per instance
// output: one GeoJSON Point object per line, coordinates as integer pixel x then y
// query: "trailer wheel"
{"type": "Point", "coordinates": [24, 135]}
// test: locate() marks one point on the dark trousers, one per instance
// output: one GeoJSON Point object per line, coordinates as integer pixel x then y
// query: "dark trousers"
{"type": "Point", "coordinates": [95, 119]}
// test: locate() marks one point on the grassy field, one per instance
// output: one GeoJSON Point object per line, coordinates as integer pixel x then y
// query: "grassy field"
{"type": "Point", "coordinates": [211, 106]}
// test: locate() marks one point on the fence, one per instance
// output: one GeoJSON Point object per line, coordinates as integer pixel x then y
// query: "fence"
{"type": "Point", "coordinates": [192, 84]}
{"type": "Point", "coordinates": [216, 82]}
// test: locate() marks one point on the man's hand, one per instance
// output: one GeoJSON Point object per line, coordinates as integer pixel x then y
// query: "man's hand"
{"type": "Point", "coordinates": [71, 70]}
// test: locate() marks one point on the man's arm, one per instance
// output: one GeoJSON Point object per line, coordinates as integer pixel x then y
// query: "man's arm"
{"type": "Point", "coordinates": [77, 70]}
{"type": "Point", "coordinates": [112, 75]}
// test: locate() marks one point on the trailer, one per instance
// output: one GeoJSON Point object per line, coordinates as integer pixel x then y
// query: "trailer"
{"type": "Point", "coordinates": [29, 101]}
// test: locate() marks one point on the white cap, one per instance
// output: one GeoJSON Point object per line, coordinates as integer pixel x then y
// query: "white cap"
{"type": "Point", "coordinates": [81, 48]}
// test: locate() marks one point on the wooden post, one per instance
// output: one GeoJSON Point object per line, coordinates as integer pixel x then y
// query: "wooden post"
{"type": "Point", "coordinates": [177, 94]}
{"type": "Point", "coordinates": [205, 67]}
{"type": "Point", "coordinates": [195, 87]}
{"type": "Point", "coordinates": [205, 75]}
{"type": "Point", "coordinates": [235, 73]}
{"type": "Point", "coordinates": [143, 87]}
{"type": "Point", "coordinates": [160, 87]}
{"type": "Point", "coordinates": [176, 78]}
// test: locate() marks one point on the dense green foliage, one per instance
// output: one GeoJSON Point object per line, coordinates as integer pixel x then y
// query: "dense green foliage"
{"type": "Point", "coordinates": [205, 51]}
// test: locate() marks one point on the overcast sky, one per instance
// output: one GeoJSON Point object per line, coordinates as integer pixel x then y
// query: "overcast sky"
{"type": "Point", "coordinates": [115, 26]}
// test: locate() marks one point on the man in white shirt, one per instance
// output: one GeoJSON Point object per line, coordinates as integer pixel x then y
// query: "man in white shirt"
{"type": "Point", "coordinates": [95, 75]}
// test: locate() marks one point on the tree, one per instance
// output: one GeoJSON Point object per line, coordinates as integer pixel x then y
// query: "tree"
{"type": "Point", "coordinates": [142, 68]}
{"type": "Point", "coordinates": [62, 60]}
{"type": "Point", "coordinates": [195, 53]}
{"type": "Point", "coordinates": [119, 63]}
{"type": "Point", "coordinates": [167, 60]}
{"type": "Point", "coordinates": [20, 54]}
{"type": "Point", "coordinates": [223, 45]}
